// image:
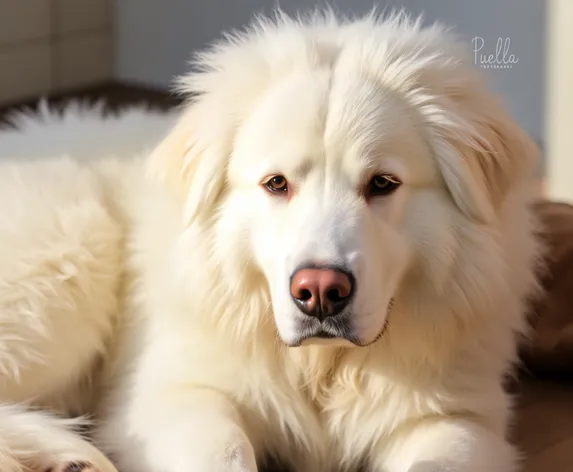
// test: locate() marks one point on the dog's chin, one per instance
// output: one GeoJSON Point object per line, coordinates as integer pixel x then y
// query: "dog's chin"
{"type": "Point", "coordinates": [326, 341]}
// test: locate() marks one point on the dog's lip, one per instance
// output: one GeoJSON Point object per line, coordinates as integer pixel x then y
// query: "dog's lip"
{"type": "Point", "coordinates": [323, 334]}
{"type": "Point", "coordinates": [378, 336]}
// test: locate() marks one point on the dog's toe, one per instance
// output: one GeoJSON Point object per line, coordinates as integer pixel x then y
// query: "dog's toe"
{"type": "Point", "coordinates": [74, 466]}
{"type": "Point", "coordinates": [240, 458]}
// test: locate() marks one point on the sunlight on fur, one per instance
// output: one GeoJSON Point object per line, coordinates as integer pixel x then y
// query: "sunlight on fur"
{"type": "Point", "coordinates": [161, 289]}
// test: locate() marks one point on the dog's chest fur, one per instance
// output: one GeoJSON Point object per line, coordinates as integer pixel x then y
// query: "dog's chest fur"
{"type": "Point", "coordinates": [317, 409]}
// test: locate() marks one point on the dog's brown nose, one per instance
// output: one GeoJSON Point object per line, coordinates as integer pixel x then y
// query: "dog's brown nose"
{"type": "Point", "coordinates": [321, 291]}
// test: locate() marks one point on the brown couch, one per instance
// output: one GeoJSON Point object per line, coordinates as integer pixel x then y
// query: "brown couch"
{"type": "Point", "coordinates": [544, 392]}
{"type": "Point", "coordinates": [544, 425]}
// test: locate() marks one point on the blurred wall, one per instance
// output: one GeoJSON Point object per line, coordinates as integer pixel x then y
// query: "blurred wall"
{"type": "Point", "coordinates": [559, 120]}
{"type": "Point", "coordinates": [51, 46]}
{"type": "Point", "coordinates": [155, 38]}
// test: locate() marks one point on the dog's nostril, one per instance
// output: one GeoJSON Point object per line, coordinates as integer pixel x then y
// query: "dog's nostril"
{"type": "Point", "coordinates": [334, 295]}
{"type": "Point", "coordinates": [305, 295]}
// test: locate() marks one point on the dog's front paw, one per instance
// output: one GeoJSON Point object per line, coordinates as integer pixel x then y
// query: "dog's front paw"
{"type": "Point", "coordinates": [240, 458]}
{"type": "Point", "coordinates": [235, 454]}
{"type": "Point", "coordinates": [73, 466]}
{"type": "Point", "coordinates": [427, 466]}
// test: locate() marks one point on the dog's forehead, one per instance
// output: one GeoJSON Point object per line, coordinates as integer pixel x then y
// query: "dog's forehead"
{"type": "Point", "coordinates": [288, 123]}
{"type": "Point", "coordinates": [321, 118]}
{"type": "Point", "coordinates": [370, 123]}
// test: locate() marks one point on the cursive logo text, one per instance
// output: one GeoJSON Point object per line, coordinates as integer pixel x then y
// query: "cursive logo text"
{"type": "Point", "coordinates": [501, 58]}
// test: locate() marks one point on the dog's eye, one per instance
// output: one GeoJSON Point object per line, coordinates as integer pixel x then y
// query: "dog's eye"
{"type": "Point", "coordinates": [382, 184]}
{"type": "Point", "coordinates": [277, 184]}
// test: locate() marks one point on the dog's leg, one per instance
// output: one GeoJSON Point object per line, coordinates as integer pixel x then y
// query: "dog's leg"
{"type": "Point", "coordinates": [39, 442]}
{"type": "Point", "coordinates": [447, 445]}
{"type": "Point", "coordinates": [199, 432]}
{"type": "Point", "coordinates": [181, 429]}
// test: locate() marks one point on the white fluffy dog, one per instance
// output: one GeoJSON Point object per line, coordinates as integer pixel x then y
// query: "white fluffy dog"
{"type": "Point", "coordinates": [325, 264]}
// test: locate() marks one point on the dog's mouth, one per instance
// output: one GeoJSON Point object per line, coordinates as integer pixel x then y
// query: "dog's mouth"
{"type": "Point", "coordinates": [378, 337]}
{"type": "Point", "coordinates": [334, 333]}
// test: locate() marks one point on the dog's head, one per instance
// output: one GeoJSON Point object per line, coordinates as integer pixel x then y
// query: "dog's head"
{"type": "Point", "coordinates": [337, 165]}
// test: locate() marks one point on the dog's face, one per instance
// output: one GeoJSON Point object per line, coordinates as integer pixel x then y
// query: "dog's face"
{"type": "Point", "coordinates": [320, 182]}
{"type": "Point", "coordinates": [336, 177]}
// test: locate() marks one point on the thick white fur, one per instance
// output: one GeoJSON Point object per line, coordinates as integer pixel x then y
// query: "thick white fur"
{"type": "Point", "coordinates": [196, 370]}
{"type": "Point", "coordinates": [61, 262]}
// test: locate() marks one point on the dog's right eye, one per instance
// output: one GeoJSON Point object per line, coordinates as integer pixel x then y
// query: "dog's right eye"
{"type": "Point", "coordinates": [277, 184]}
{"type": "Point", "coordinates": [381, 185]}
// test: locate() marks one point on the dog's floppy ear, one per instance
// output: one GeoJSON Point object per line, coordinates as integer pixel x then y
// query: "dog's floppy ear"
{"type": "Point", "coordinates": [191, 162]}
{"type": "Point", "coordinates": [483, 159]}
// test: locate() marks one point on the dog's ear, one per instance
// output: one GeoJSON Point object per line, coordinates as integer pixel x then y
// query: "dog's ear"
{"type": "Point", "coordinates": [191, 163]}
{"type": "Point", "coordinates": [483, 159]}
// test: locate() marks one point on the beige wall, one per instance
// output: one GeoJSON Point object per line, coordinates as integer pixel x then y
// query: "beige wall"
{"type": "Point", "coordinates": [559, 122]}
{"type": "Point", "coordinates": [53, 45]}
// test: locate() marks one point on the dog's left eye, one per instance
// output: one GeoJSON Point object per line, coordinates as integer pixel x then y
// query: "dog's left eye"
{"type": "Point", "coordinates": [382, 184]}
{"type": "Point", "coordinates": [276, 184]}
